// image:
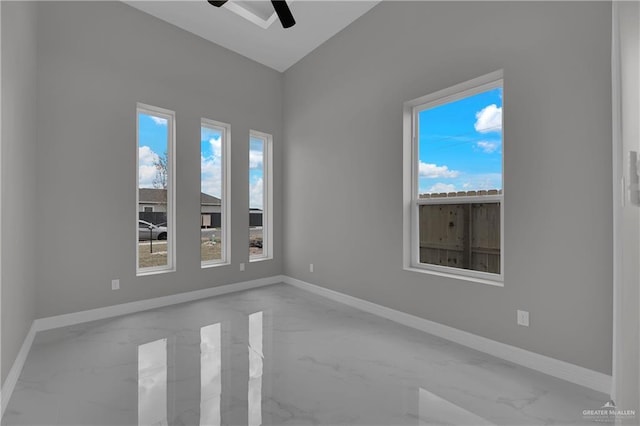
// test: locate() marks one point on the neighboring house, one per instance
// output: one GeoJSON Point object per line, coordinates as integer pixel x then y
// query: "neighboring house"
{"type": "Point", "coordinates": [152, 206]}
{"type": "Point", "coordinates": [209, 203]}
{"type": "Point", "coordinates": [210, 208]}
{"type": "Point", "coordinates": [255, 218]}
{"type": "Point", "coordinates": [155, 200]}
{"type": "Point", "coordinates": [152, 200]}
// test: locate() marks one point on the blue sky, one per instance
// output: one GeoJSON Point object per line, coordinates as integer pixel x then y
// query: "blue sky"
{"type": "Point", "coordinates": [256, 173]}
{"type": "Point", "coordinates": [211, 166]}
{"type": "Point", "coordinates": [153, 137]}
{"type": "Point", "coordinates": [211, 161]}
{"type": "Point", "coordinates": [460, 144]}
{"type": "Point", "coordinates": [153, 143]}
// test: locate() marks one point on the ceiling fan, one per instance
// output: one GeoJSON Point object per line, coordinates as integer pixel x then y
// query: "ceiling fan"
{"type": "Point", "coordinates": [280, 6]}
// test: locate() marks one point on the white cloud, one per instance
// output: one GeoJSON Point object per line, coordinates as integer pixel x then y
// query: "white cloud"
{"type": "Point", "coordinates": [146, 168]}
{"type": "Point", "coordinates": [158, 120]}
{"type": "Point", "coordinates": [216, 146]}
{"type": "Point", "coordinates": [441, 187]}
{"type": "Point", "coordinates": [211, 175]}
{"type": "Point", "coordinates": [211, 169]}
{"type": "Point", "coordinates": [487, 146]}
{"type": "Point", "coordinates": [428, 170]}
{"type": "Point", "coordinates": [255, 159]}
{"type": "Point", "coordinates": [147, 155]}
{"type": "Point", "coordinates": [489, 119]}
{"type": "Point", "coordinates": [483, 181]}
{"type": "Point", "coordinates": [256, 194]}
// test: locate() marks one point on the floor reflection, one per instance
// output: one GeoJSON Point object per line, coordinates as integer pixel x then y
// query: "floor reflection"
{"type": "Point", "coordinates": [434, 410]}
{"type": "Point", "coordinates": [256, 357]}
{"type": "Point", "coordinates": [210, 375]}
{"type": "Point", "coordinates": [152, 383]}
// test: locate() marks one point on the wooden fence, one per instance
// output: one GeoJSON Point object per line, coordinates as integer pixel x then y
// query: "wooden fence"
{"type": "Point", "coordinates": [214, 220]}
{"type": "Point", "coordinates": [207, 220]}
{"type": "Point", "coordinates": [153, 217]}
{"type": "Point", "coordinates": [464, 235]}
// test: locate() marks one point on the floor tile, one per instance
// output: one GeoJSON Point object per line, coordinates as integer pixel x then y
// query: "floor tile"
{"type": "Point", "coordinates": [276, 355]}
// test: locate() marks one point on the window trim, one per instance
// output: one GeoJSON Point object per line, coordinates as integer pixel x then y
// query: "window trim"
{"type": "Point", "coordinates": [171, 204]}
{"type": "Point", "coordinates": [411, 201]}
{"type": "Point", "coordinates": [267, 203]}
{"type": "Point", "coordinates": [225, 207]}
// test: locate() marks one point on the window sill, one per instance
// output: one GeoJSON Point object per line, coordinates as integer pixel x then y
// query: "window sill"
{"type": "Point", "coordinates": [154, 272]}
{"type": "Point", "coordinates": [498, 282]}
{"type": "Point", "coordinates": [213, 265]}
{"type": "Point", "coordinates": [260, 259]}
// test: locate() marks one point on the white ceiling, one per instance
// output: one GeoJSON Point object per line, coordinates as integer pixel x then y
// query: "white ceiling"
{"type": "Point", "coordinates": [275, 47]}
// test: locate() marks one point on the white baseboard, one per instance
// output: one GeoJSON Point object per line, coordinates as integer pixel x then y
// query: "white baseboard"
{"type": "Point", "coordinates": [551, 366]}
{"type": "Point", "coordinates": [144, 305]}
{"type": "Point", "coordinates": [12, 378]}
{"type": "Point", "coordinates": [48, 323]}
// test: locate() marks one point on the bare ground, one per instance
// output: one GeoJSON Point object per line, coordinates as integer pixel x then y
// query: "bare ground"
{"type": "Point", "coordinates": [210, 249]}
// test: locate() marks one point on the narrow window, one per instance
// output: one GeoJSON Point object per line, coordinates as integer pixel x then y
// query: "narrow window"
{"type": "Point", "coordinates": [214, 192]}
{"type": "Point", "coordinates": [155, 226]}
{"type": "Point", "coordinates": [260, 196]}
{"type": "Point", "coordinates": [456, 197]}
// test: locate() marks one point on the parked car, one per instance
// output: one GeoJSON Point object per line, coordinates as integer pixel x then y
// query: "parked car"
{"type": "Point", "coordinates": [147, 231]}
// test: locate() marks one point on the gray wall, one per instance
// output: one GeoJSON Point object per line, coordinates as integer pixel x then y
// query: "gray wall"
{"type": "Point", "coordinates": [627, 368]}
{"type": "Point", "coordinates": [18, 176]}
{"type": "Point", "coordinates": [343, 148]}
{"type": "Point", "coordinates": [96, 60]}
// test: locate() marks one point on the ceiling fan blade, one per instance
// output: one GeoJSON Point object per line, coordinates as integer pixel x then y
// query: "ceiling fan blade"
{"type": "Point", "coordinates": [217, 3]}
{"type": "Point", "coordinates": [283, 12]}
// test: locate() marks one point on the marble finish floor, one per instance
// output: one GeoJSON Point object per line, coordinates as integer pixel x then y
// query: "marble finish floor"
{"type": "Point", "coordinates": [276, 355]}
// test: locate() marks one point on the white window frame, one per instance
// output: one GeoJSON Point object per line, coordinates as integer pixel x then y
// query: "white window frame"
{"type": "Point", "coordinates": [267, 203]}
{"type": "Point", "coordinates": [225, 208]}
{"type": "Point", "coordinates": [411, 200]}
{"type": "Point", "coordinates": [170, 116]}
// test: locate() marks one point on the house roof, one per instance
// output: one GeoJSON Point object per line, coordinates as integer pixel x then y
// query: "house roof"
{"type": "Point", "coordinates": [152, 195]}
{"type": "Point", "coordinates": [209, 199]}
{"type": "Point", "coordinates": [159, 196]}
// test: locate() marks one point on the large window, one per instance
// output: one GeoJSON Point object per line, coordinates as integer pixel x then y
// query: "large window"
{"type": "Point", "coordinates": [260, 193]}
{"type": "Point", "coordinates": [454, 180]}
{"type": "Point", "coordinates": [155, 180]}
{"type": "Point", "coordinates": [214, 193]}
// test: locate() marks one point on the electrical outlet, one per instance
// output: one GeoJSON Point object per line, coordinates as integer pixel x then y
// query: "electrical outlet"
{"type": "Point", "coordinates": [523, 318]}
{"type": "Point", "coordinates": [311, 267]}
{"type": "Point", "coordinates": [241, 267]}
{"type": "Point", "coordinates": [115, 284]}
